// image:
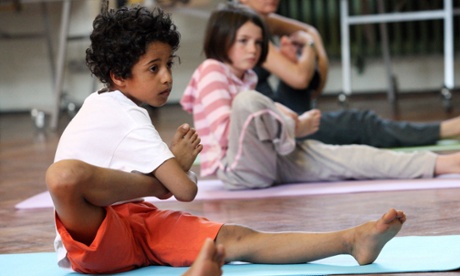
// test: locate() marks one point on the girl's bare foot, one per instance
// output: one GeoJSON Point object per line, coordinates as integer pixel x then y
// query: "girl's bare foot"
{"type": "Point", "coordinates": [186, 146]}
{"type": "Point", "coordinates": [209, 261]}
{"type": "Point", "coordinates": [307, 123]}
{"type": "Point", "coordinates": [369, 238]}
{"type": "Point", "coordinates": [450, 128]}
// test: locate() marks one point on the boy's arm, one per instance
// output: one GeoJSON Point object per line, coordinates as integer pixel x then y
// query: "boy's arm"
{"type": "Point", "coordinates": [179, 183]}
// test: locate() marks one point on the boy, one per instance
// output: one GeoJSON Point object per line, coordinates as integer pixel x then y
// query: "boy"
{"type": "Point", "coordinates": [110, 155]}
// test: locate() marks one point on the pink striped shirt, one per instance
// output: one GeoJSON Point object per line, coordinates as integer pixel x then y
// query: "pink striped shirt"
{"type": "Point", "coordinates": [209, 97]}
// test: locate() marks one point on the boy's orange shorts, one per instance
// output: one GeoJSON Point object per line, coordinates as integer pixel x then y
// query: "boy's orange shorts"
{"type": "Point", "coordinates": [139, 234]}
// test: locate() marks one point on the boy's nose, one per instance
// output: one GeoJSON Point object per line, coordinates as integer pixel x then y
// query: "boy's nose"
{"type": "Point", "coordinates": [166, 77]}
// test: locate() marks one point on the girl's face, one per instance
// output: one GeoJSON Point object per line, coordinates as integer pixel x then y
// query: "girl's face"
{"type": "Point", "coordinates": [263, 7]}
{"type": "Point", "coordinates": [246, 49]}
{"type": "Point", "coordinates": [151, 79]}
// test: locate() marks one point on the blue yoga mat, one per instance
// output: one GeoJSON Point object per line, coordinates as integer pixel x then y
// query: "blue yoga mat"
{"type": "Point", "coordinates": [401, 254]}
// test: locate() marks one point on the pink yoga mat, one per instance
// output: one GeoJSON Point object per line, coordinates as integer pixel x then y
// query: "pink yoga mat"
{"type": "Point", "coordinates": [214, 189]}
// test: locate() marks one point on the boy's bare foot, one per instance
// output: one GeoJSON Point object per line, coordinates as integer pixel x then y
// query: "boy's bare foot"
{"type": "Point", "coordinates": [209, 261]}
{"type": "Point", "coordinates": [186, 146]}
{"type": "Point", "coordinates": [371, 237]}
{"type": "Point", "coordinates": [307, 123]}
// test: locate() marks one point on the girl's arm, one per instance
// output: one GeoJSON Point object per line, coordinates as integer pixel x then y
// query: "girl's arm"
{"type": "Point", "coordinates": [216, 100]}
{"type": "Point", "coordinates": [280, 25]}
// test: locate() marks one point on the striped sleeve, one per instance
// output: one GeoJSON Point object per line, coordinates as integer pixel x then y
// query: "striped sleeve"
{"type": "Point", "coordinates": [216, 101]}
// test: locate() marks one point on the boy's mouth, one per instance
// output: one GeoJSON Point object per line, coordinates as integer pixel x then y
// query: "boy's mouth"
{"type": "Point", "coordinates": [165, 92]}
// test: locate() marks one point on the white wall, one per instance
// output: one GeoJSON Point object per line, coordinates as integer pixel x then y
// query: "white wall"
{"type": "Point", "coordinates": [26, 78]}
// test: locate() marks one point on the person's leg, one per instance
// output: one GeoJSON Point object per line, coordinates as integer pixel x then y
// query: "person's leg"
{"type": "Point", "coordinates": [258, 134]}
{"type": "Point", "coordinates": [80, 191]}
{"type": "Point", "coordinates": [209, 261]}
{"type": "Point", "coordinates": [448, 164]}
{"type": "Point", "coordinates": [363, 242]}
{"type": "Point", "coordinates": [315, 161]}
{"type": "Point", "coordinates": [367, 128]}
{"type": "Point", "coordinates": [450, 128]}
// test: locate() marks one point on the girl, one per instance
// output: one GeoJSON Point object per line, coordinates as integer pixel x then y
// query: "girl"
{"type": "Point", "coordinates": [250, 142]}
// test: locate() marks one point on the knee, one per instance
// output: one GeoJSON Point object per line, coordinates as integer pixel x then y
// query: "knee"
{"type": "Point", "coordinates": [234, 235]}
{"type": "Point", "coordinates": [65, 176]}
{"type": "Point", "coordinates": [236, 239]}
{"type": "Point", "coordinates": [250, 100]}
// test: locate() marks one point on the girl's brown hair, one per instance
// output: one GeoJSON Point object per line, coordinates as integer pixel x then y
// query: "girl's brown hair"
{"type": "Point", "coordinates": [222, 27]}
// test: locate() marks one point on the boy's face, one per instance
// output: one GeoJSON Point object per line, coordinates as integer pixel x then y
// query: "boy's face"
{"type": "Point", "coordinates": [151, 79]}
{"type": "Point", "coordinates": [246, 49]}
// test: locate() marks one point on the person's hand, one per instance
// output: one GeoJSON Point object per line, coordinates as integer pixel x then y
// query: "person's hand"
{"type": "Point", "coordinates": [301, 38]}
{"type": "Point", "coordinates": [288, 48]}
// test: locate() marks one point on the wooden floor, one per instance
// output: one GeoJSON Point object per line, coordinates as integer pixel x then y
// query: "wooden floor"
{"type": "Point", "coordinates": [26, 152]}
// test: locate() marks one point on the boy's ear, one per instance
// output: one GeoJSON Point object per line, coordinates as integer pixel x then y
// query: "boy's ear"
{"type": "Point", "coordinates": [117, 80]}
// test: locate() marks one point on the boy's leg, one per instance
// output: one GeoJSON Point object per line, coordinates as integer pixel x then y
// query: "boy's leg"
{"type": "Point", "coordinates": [80, 192]}
{"type": "Point", "coordinates": [363, 242]}
{"type": "Point", "coordinates": [209, 261]}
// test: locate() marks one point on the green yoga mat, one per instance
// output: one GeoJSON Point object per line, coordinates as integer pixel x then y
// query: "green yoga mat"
{"type": "Point", "coordinates": [442, 145]}
{"type": "Point", "coordinates": [401, 254]}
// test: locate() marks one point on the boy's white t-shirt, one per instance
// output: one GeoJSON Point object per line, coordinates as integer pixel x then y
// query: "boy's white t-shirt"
{"type": "Point", "coordinates": [111, 131]}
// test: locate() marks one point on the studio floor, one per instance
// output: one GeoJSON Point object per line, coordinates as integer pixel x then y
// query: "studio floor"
{"type": "Point", "coordinates": [26, 152]}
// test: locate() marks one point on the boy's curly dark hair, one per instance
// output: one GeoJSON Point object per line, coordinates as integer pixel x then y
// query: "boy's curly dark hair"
{"type": "Point", "coordinates": [120, 37]}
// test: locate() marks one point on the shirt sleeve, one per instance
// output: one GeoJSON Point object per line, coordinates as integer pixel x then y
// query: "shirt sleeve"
{"type": "Point", "coordinates": [216, 99]}
{"type": "Point", "coordinates": [142, 149]}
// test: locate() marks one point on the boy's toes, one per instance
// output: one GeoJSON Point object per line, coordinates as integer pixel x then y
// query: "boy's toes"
{"type": "Point", "coordinates": [181, 132]}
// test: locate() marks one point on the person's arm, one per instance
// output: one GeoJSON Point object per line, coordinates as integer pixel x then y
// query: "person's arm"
{"type": "Point", "coordinates": [214, 95]}
{"type": "Point", "coordinates": [169, 179]}
{"type": "Point", "coordinates": [177, 182]}
{"type": "Point", "coordinates": [280, 25]}
{"type": "Point", "coordinates": [144, 151]}
{"type": "Point", "coordinates": [296, 74]}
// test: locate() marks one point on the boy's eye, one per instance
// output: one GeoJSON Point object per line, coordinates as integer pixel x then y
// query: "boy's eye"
{"type": "Point", "coordinates": [171, 64]}
{"type": "Point", "coordinates": [154, 68]}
